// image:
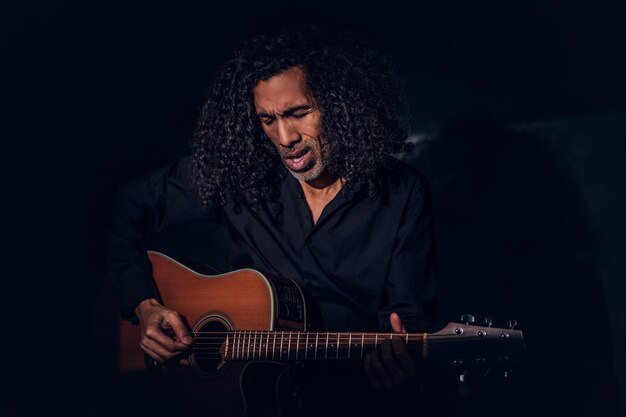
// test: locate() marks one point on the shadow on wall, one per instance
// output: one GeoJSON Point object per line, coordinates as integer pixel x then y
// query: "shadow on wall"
{"type": "Point", "coordinates": [514, 241]}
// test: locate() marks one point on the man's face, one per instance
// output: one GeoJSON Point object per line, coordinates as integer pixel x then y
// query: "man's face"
{"type": "Point", "coordinates": [292, 121]}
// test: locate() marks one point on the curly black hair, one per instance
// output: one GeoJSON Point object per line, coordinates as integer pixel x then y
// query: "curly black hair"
{"type": "Point", "coordinates": [354, 87]}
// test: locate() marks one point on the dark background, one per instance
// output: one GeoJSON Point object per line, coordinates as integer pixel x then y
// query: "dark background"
{"type": "Point", "coordinates": [518, 112]}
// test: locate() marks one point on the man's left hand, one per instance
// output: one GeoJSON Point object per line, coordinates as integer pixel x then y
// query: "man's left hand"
{"type": "Point", "coordinates": [390, 365]}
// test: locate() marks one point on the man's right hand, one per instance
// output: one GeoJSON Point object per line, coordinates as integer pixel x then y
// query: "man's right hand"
{"type": "Point", "coordinates": [154, 318]}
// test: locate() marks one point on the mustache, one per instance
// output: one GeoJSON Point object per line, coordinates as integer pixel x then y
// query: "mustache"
{"type": "Point", "coordinates": [291, 153]}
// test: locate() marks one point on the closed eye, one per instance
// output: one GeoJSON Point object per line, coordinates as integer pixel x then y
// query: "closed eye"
{"type": "Point", "coordinates": [298, 112]}
{"type": "Point", "coordinates": [267, 120]}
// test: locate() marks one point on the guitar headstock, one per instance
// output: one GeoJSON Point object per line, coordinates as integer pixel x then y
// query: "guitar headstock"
{"type": "Point", "coordinates": [467, 346]}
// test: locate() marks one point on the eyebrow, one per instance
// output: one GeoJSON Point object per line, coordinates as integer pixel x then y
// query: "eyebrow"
{"type": "Point", "coordinates": [288, 111]}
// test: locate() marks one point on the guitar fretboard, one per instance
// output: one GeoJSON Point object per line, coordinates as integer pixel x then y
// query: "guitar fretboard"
{"type": "Point", "coordinates": [284, 345]}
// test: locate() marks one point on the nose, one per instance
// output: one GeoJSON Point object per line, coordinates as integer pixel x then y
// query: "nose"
{"type": "Point", "coordinates": [287, 135]}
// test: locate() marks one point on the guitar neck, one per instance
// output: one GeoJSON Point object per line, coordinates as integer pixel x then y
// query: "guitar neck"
{"type": "Point", "coordinates": [287, 346]}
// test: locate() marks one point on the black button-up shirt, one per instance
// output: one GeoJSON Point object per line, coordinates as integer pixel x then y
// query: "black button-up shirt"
{"type": "Point", "coordinates": [361, 261]}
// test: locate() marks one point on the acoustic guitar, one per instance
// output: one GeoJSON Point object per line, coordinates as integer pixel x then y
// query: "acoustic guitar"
{"type": "Point", "coordinates": [247, 326]}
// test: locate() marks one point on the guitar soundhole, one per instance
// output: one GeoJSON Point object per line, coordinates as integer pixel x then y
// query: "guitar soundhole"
{"type": "Point", "coordinates": [206, 357]}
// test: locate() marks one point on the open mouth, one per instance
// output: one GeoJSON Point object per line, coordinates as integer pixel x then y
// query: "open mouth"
{"type": "Point", "coordinates": [298, 161]}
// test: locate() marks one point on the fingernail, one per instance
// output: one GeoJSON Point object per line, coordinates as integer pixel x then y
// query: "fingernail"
{"type": "Point", "coordinates": [187, 339]}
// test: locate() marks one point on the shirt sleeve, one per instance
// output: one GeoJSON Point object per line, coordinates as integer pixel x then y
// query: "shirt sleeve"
{"type": "Point", "coordinates": [410, 286]}
{"type": "Point", "coordinates": [143, 207]}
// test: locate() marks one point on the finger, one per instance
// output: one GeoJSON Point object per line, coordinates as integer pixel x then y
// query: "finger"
{"type": "Point", "coordinates": [153, 354]}
{"type": "Point", "coordinates": [157, 348]}
{"type": "Point", "coordinates": [155, 333]}
{"type": "Point", "coordinates": [396, 323]}
{"type": "Point", "coordinates": [379, 369]}
{"type": "Point", "coordinates": [179, 327]}
{"type": "Point", "coordinates": [184, 362]}
{"type": "Point", "coordinates": [371, 376]}
{"type": "Point", "coordinates": [402, 355]}
{"type": "Point", "coordinates": [390, 364]}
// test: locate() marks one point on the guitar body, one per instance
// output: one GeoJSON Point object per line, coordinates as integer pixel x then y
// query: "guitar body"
{"type": "Point", "coordinates": [239, 300]}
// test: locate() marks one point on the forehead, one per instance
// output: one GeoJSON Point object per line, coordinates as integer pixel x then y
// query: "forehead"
{"type": "Point", "coordinates": [282, 91]}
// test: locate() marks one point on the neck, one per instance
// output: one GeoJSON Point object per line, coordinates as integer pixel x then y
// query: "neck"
{"type": "Point", "coordinates": [324, 187]}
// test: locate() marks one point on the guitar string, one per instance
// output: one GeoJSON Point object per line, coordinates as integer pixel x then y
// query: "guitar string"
{"type": "Point", "coordinates": [234, 355]}
{"type": "Point", "coordinates": [210, 349]}
{"type": "Point", "coordinates": [344, 343]}
{"type": "Point", "coordinates": [246, 338]}
{"type": "Point", "coordinates": [334, 334]}
{"type": "Point", "coordinates": [285, 356]}
{"type": "Point", "coordinates": [205, 352]}
{"type": "Point", "coordinates": [342, 335]}
{"type": "Point", "coordinates": [439, 347]}
{"type": "Point", "coordinates": [252, 331]}
{"type": "Point", "coordinates": [368, 339]}
{"type": "Point", "coordinates": [436, 344]}
{"type": "Point", "coordinates": [220, 340]}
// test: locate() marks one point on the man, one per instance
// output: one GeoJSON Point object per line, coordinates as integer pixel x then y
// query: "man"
{"type": "Point", "coordinates": [292, 155]}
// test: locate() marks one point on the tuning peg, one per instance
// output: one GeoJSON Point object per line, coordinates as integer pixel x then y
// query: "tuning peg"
{"type": "Point", "coordinates": [511, 323]}
{"type": "Point", "coordinates": [489, 321]}
{"type": "Point", "coordinates": [467, 319]}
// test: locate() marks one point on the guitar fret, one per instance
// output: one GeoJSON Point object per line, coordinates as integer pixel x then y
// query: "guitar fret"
{"type": "Point", "coordinates": [274, 347]}
{"type": "Point", "coordinates": [362, 343]}
{"type": "Point", "coordinates": [267, 345]}
{"type": "Point", "coordinates": [238, 345]}
{"type": "Point", "coordinates": [289, 347]}
{"type": "Point", "coordinates": [306, 346]}
{"type": "Point", "coordinates": [338, 336]}
{"type": "Point", "coordinates": [297, 345]}
{"type": "Point", "coordinates": [249, 344]}
{"type": "Point", "coordinates": [282, 336]}
{"type": "Point", "coordinates": [316, 336]}
{"type": "Point", "coordinates": [326, 354]}
{"type": "Point", "coordinates": [242, 342]}
{"type": "Point", "coordinates": [254, 345]}
{"type": "Point", "coordinates": [349, 345]}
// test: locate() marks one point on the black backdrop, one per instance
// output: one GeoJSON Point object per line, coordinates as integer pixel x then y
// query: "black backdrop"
{"type": "Point", "coordinates": [519, 116]}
